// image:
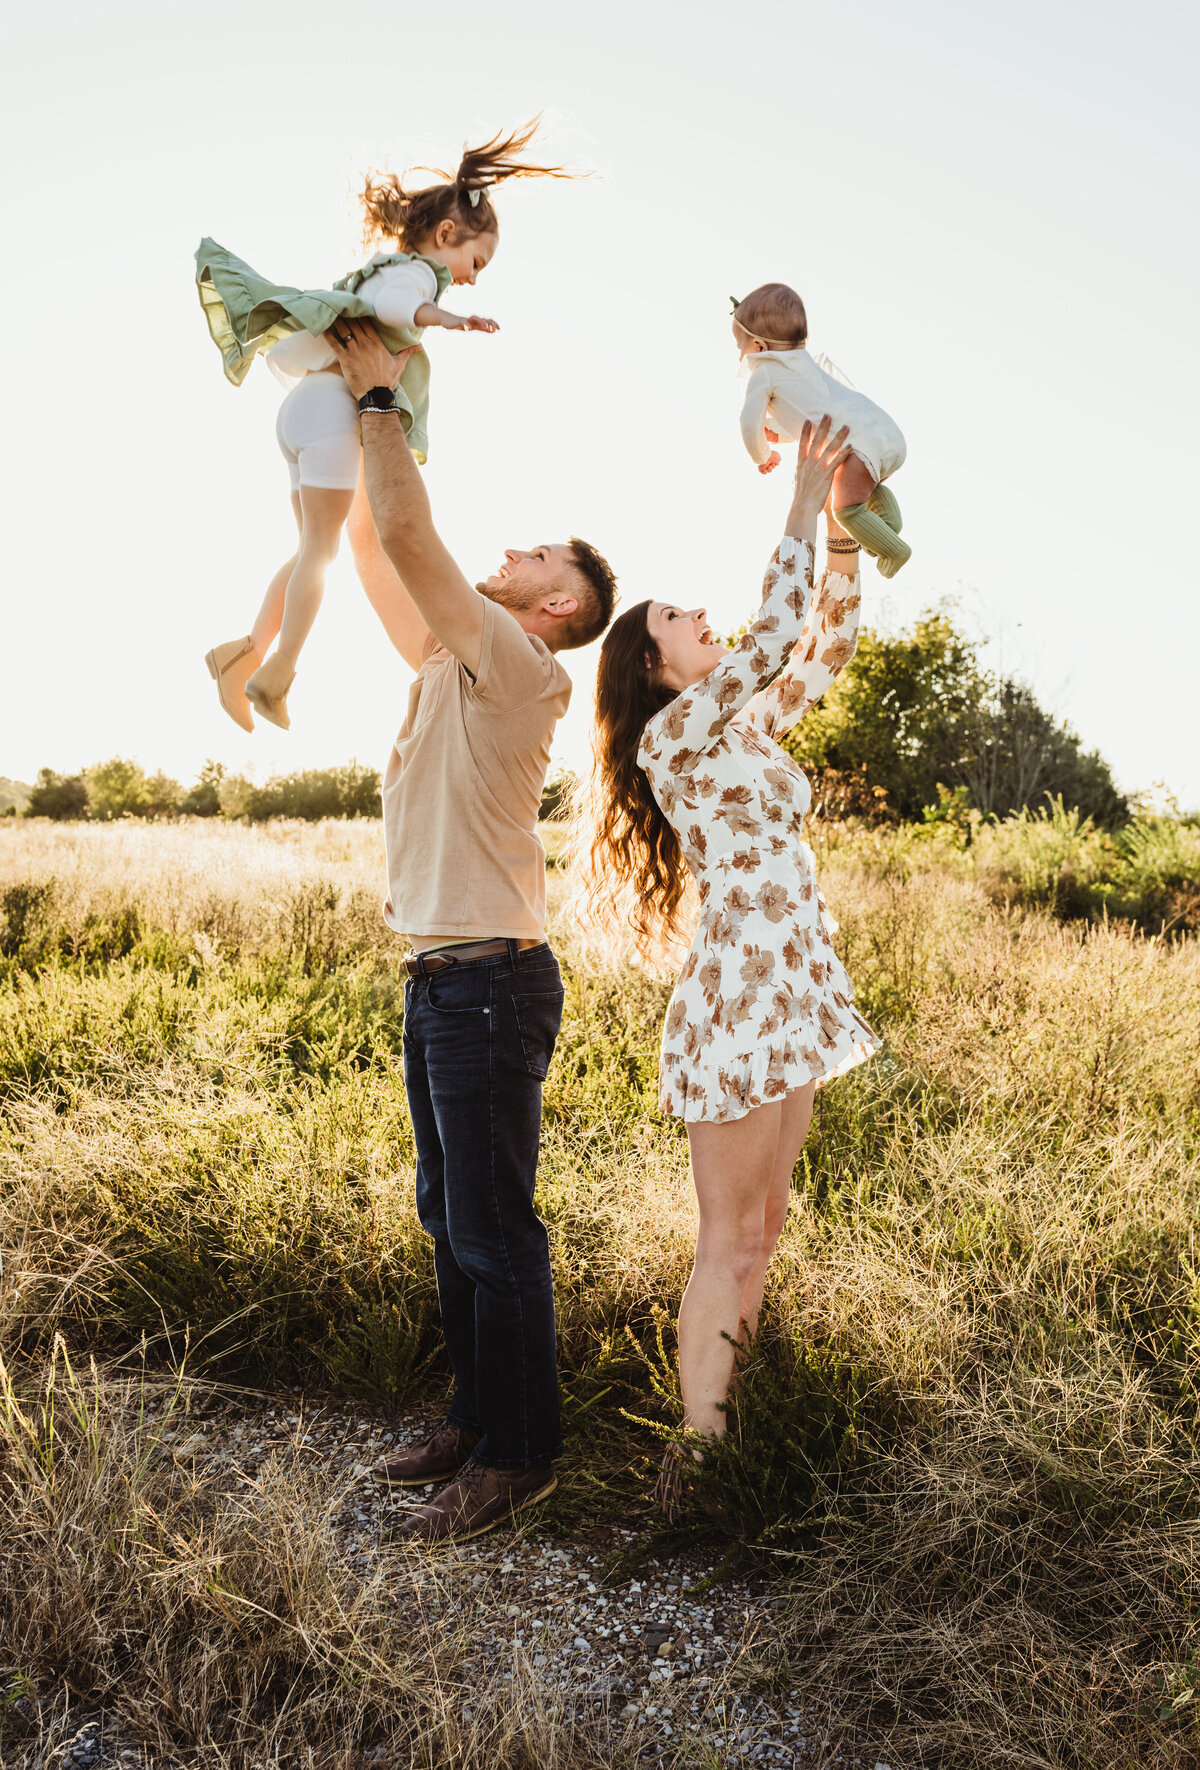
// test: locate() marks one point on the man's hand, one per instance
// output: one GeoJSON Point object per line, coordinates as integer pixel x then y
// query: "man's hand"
{"type": "Point", "coordinates": [364, 358]}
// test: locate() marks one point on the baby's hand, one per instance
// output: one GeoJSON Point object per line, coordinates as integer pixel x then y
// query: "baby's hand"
{"type": "Point", "coordinates": [772, 461]}
{"type": "Point", "coordinates": [771, 435]}
{"type": "Point", "coordinates": [459, 322]}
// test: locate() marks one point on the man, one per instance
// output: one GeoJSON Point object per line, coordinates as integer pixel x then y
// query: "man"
{"type": "Point", "coordinates": [467, 885]}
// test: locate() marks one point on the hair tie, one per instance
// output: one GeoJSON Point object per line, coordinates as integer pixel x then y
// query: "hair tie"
{"type": "Point", "coordinates": [474, 194]}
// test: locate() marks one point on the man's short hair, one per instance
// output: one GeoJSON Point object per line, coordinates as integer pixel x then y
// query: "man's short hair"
{"type": "Point", "coordinates": [597, 602]}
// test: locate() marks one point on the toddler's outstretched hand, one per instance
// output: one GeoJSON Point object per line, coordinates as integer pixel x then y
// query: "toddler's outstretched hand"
{"type": "Point", "coordinates": [460, 322]}
{"type": "Point", "coordinates": [772, 460]}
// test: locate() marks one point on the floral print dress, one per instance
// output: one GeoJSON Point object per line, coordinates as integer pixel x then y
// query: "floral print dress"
{"type": "Point", "coordinates": [762, 1005]}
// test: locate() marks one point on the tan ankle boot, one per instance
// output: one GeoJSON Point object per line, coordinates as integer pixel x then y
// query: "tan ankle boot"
{"type": "Point", "coordinates": [229, 665]}
{"type": "Point", "coordinates": [267, 690]}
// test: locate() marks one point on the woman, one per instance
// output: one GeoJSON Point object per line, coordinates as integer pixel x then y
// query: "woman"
{"type": "Point", "coordinates": [689, 777]}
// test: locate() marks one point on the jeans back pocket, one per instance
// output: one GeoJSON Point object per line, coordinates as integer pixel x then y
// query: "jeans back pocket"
{"type": "Point", "coordinates": [538, 1013]}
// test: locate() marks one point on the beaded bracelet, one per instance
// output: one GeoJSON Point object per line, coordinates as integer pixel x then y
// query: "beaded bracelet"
{"type": "Point", "coordinates": [835, 545]}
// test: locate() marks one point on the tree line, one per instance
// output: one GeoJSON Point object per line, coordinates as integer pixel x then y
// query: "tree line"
{"type": "Point", "coordinates": [914, 727]}
{"type": "Point", "coordinates": [120, 788]}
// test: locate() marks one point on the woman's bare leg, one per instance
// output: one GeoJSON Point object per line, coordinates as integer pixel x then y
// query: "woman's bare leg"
{"type": "Point", "coordinates": [323, 512]}
{"type": "Point", "coordinates": [270, 616]}
{"type": "Point", "coordinates": [732, 1167]}
{"type": "Point", "coordinates": [795, 1118]}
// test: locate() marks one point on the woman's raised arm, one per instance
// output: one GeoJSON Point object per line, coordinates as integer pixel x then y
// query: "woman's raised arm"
{"type": "Point", "coordinates": [695, 720]}
{"type": "Point", "coordinates": [822, 652]}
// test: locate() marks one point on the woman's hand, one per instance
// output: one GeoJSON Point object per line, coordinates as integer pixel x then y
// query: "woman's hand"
{"type": "Point", "coordinates": [364, 358]}
{"type": "Point", "coordinates": [818, 460]}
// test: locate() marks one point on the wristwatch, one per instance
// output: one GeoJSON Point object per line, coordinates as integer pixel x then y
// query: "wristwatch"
{"type": "Point", "coordinates": [377, 399]}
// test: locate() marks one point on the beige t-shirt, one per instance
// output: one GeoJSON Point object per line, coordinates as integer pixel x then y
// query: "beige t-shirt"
{"type": "Point", "coordinates": [463, 787]}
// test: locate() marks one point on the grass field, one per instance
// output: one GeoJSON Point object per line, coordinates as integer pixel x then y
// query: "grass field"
{"type": "Point", "coordinates": [968, 1444]}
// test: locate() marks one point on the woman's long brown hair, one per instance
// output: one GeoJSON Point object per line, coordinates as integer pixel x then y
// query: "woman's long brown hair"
{"type": "Point", "coordinates": [634, 877]}
{"type": "Point", "coordinates": [391, 212]}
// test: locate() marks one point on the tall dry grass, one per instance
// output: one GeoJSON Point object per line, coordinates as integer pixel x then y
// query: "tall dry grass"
{"type": "Point", "coordinates": [968, 1439]}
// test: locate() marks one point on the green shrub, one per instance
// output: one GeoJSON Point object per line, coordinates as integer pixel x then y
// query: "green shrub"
{"type": "Point", "coordinates": [311, 794]}
{"type": "Point", "coordinates": [57, 796]}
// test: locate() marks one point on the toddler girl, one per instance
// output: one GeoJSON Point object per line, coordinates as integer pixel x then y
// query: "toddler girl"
{"type": "Point", "coordinates": [442, 233]}
{"type": "Point", "coordinates": [789, 386]}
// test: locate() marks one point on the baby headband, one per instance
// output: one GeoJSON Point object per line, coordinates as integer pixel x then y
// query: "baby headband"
{"type": "Point", "coordinates": [771, 343]}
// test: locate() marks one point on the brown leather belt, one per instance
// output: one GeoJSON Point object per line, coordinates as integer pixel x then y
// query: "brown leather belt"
{"type": "Point", "coordinates": [440, 961]}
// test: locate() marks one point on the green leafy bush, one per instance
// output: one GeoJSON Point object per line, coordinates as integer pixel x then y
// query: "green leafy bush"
{"type": "Point", "coordinates": [916, 711]}
{"type": "Point", "coordinates": [58, 796]}
{"type": "Point", "coordinates": [310, 794]}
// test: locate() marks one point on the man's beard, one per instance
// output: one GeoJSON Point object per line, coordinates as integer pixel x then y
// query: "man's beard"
{"type": "Point", "coordinates": [510, 595]}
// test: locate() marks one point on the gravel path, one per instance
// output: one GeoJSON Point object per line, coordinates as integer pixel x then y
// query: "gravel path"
{"type": "Point", "coordinates": [655, 1654]}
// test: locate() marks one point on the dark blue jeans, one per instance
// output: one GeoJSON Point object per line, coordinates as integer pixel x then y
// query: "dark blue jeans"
{"type": "Point", "coordinates": [478, 1038]}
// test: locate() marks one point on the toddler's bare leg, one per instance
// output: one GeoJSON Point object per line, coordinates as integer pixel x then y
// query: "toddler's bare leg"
{"type": "Point", "coordinates": [232, 664]}
{"type": "Point", "coordinates": [270, 615]}
{"type": "Point", "coordinates": [323, 513]}
{"type": "Point", "coordinates": [853, 483]}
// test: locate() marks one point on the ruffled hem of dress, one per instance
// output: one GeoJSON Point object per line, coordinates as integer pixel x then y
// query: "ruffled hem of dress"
{"type": "Point", "coordinates": [855, 1044]}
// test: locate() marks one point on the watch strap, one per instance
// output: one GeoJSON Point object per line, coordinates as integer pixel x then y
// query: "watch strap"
{"type": "Point", "coordinates": [377, 399]}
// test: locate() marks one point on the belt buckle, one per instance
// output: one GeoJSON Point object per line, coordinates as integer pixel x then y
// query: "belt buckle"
{"type": "Point", "coordinates": [432, 965]}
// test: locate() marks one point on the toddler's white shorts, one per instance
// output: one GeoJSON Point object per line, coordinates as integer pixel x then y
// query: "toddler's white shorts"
{"type": "Point", "coordinates": [317, 431]}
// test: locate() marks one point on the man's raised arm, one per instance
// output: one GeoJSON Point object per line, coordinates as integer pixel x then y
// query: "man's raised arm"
{"type": "Point", "coordinates": [450, 607]}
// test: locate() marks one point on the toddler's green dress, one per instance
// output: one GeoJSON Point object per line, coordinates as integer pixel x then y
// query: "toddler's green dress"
{"type": "Point", "coordinates": [247, 314]}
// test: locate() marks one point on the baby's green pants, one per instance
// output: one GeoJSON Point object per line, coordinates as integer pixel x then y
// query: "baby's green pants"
{"type": "Point", "coordinates": [876, 525]}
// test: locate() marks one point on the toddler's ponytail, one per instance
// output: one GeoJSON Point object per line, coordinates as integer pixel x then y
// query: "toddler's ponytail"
{"type": "Point", "coordinates": [391, 212]}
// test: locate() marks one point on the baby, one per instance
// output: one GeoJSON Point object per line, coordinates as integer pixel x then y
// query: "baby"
{"type": "Point", "coordinates": [788, 385]}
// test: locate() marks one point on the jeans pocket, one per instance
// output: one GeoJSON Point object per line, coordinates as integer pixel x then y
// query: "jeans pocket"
{"type": "Point", "coordinates": [539, 1016]}
{"type": "Point", "coordinates": [459, 990]}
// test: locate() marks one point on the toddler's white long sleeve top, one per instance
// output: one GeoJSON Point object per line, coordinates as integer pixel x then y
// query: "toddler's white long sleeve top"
{"type": "Point", "coordinates": [395, 291]}
{"type": "Point", "coordinates": [786, 387]}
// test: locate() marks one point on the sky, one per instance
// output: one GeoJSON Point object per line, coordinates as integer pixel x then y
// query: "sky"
{"type": "Point", "coordinates": [990, 213]}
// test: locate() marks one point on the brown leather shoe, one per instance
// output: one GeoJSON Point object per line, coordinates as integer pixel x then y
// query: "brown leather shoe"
{"type": "Point", "coordinates": [443, 1453]}
{"type": "Point", "coordinates": [476, 1501]}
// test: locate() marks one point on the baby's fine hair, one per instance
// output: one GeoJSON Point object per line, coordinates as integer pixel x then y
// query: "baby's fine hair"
{"type": "Point", "coordinates": [774, 315]}
{"type": "Point", "coordinates": [408, 216]}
